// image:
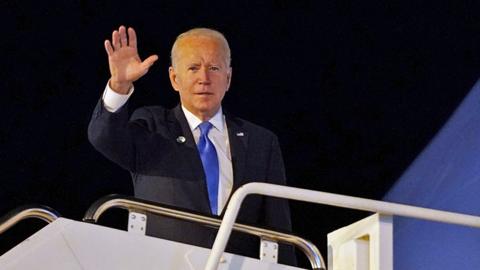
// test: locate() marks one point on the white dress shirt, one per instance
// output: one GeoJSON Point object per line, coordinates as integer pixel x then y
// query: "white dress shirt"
{"type": "Point", "coordinates": [218, 135]}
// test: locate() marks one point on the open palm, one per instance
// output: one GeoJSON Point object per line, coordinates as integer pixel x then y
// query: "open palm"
{"type": "Point", "coordinates": [123, 59]}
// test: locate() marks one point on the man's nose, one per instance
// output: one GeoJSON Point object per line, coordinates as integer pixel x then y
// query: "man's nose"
{"type": "Point", "coordinates": [204, 76]}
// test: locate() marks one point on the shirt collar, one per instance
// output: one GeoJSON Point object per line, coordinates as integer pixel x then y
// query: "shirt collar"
{"type": "Point", "coordinates": [193, 121]}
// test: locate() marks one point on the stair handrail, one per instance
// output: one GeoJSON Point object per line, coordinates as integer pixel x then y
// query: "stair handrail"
{"type": "Point", "coordinates": [18, 214]}
{"type": "Point", "coordinates": [138, 205]}
{"type": "Point", "coordinates": [319, 197]}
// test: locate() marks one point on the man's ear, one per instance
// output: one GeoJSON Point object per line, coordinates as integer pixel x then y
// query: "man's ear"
{"type": "Point", "coordinates": [173, 79]}
{"type": "Point", "coordinates": [229, 78]}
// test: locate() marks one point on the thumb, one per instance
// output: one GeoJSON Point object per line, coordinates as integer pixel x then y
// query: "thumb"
{"type": "Point", "coordinates": [147, 63]}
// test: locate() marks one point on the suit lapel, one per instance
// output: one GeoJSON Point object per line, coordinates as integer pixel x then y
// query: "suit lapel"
{"type": "Point", "coordinates": [180, 128]}
{"type": "Point", "coordinates": [238, 138]}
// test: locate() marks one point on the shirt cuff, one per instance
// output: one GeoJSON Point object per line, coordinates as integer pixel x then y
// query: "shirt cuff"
{"type": "Point", "coordinates": [112, 101]}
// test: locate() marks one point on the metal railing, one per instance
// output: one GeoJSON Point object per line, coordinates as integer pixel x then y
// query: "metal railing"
{"type": "Point", "coordinates": [137, 205]}
{"type": "Point", "coordinates": [325, 198]}
{"type": "Point", "coordinates": [18, 214]}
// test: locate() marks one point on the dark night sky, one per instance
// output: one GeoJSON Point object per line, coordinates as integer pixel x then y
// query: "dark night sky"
{"type": "Point", "coordinates": [354, 90]}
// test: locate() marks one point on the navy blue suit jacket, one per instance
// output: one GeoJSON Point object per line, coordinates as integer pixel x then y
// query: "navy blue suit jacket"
{"type": "Point", "coordinates": [169, 171]}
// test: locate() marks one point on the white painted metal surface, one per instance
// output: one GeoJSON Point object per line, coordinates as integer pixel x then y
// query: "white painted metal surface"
{"type": "Point", "coordinates": [268, 251]}
{"type": "Point", "coordinates": [328, 199]}
{"type": "Point", "coordinates": [355, 256]}
{"type": "Point", "coordinates": [67, 244]}
{"type": "Point", "coordinates": [364, 245]}
{"type": "Point", "coordinates": [137, 223]}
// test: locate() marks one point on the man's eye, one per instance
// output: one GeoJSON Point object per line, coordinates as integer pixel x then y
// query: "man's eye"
{"type": "Point", "coordinates": [214, 68]}
{"type": "Point", "coordinates": [193, 68]}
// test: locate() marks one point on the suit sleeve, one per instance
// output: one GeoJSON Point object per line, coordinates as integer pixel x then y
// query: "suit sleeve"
{"type": "Point", "coordinates": [111, 134]}
{"type": "Point", "coordinates": [277, 211]}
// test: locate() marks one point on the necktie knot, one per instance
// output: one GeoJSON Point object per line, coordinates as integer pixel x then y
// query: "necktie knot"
{"type": "Point", "coordinates": [205, 128]}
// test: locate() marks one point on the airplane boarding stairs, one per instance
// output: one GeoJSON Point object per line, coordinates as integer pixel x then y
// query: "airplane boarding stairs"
{"type": "Point", "coordinates": [69, 244]}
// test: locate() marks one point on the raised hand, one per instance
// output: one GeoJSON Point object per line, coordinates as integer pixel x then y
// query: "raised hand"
{"type": "Point", "coordinates": [123, 59]}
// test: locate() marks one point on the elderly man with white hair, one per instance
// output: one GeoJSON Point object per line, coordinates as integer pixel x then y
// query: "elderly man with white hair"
{"type": "Point", "coordinates": [195, 155]}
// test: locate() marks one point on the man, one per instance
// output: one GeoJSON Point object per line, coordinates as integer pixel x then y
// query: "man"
{"type": "Point", "coordinates": [193, 156]}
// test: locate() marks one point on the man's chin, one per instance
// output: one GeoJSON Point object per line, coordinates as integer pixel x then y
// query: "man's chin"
{"type": "Point", "coordinates": [203, 110]}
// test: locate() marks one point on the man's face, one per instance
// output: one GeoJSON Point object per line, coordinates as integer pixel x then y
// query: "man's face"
{"type": "Point", "coordinates": [201, 75]}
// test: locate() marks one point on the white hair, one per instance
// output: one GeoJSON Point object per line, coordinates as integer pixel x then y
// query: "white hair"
{"type": "Point", "coordinates": [201, 32]}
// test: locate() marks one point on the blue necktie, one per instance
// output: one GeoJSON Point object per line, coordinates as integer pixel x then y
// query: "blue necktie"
{"type": "Point", "coordinates": [209, 158]}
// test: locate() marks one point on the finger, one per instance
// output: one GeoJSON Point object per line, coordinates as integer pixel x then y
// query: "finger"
{"type": "Point", "coordinates": [108, 47]}
{"type": "Point", "coordinates": [123, 36]}
{"type": "Point", "coordinates": [147, 63]}
{"type": "Point", "coordinates": [132, 38]}
{"type": "Point", "coordinates": [116, 40]}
